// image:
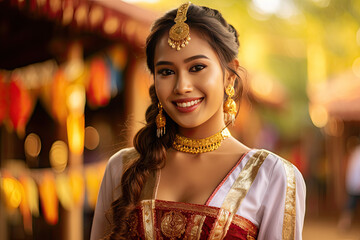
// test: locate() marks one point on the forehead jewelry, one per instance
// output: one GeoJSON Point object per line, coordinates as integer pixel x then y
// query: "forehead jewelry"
{"type": "Point", "coordinates": [179, 34]}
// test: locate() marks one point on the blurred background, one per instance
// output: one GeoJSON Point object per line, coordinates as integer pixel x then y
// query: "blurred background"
{"type": "Point", "coordinates": [74, 89]}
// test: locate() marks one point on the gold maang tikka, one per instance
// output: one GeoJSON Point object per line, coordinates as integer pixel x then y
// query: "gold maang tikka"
{"type": "Point", "coordinates": [179, 34]}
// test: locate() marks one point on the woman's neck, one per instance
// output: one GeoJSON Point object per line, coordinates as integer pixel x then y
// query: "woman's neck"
{"type": "Point", "coordinates": [200, 132]}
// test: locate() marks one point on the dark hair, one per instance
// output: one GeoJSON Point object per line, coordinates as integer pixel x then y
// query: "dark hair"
{"type": "Point", "coordinates": [223, 38]}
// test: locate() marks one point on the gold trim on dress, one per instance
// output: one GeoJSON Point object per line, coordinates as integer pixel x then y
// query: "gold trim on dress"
{"type": "Point", "coordinates": [238, 192]}
{"type": "Point", "coordinates": [187, 207]}
{"type": "Point", "coordinates": [288, 231]}
{"type": "Point", "coordinates": [222, 221]}
{"type": "Point", "coordinates": [246, 225]}
{"type": "Point", "coordinates": [148, 207]}
{"type": "Point", "coordinates": [194, 228]}
{"type": "Point", "coordinates": [147, 191]}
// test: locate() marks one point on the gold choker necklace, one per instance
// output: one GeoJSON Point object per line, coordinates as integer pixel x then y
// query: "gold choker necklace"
{"type": "Point", "coordinates": [189, 145]}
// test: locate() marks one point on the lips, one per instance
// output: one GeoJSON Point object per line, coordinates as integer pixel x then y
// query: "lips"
{"type": "Point", "coordinates": [188, 104]}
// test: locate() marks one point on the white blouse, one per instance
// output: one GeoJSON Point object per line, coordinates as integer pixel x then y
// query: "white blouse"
{"type": "Point", "coordinates": [274, 200]}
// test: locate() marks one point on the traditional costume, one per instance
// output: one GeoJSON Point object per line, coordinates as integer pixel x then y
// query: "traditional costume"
{"type": "Point", "coordinates": [262, 197]}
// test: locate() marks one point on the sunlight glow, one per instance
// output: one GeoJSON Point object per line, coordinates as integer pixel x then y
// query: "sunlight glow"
{"type": "Point", "coordinates": [267, 6]}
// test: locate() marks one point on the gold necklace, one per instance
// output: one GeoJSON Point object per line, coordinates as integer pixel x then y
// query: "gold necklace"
{"type": "Point", "coordinates": [189, 145]}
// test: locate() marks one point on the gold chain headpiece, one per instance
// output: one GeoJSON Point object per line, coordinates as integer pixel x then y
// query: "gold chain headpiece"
{"type": "Point", "coordinates": [189, 145]}
{"type": "Point", "coordinates": [179, 34]}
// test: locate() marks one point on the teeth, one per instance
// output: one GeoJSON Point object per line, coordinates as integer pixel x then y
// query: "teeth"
{"type": "Point", "coordinates": [188, 104]}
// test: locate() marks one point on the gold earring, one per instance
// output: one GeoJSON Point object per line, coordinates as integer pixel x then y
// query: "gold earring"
{"type": "Point", "coordinates": [230, 105]}
{"type": "Point", "coordinates": [160, 122]}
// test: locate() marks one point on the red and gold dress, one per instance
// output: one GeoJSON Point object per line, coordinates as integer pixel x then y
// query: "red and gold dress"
{"type": "Point", "coordinates": [262, 197]}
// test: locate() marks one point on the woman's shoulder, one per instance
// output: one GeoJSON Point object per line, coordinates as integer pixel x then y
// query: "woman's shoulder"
{"type": "Point", "coordinates": [123, 156]}
{"type": "Point", "coordinates": [275, 167]}
{"type": "Point", "coordinates": [122, 159]}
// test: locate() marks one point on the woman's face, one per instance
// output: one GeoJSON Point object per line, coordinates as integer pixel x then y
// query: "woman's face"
{"type": "Point", "coordinates": [190, 83]}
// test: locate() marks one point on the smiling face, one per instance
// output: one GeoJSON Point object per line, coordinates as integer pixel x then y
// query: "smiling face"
{"type": "Point", "coordinates": [190, 85]}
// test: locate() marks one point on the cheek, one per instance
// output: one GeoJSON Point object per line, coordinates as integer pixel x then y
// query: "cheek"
{"type": "Point", "coordinates": [162, 90]}
{"type": "Point", "coordinates": [214, 84]}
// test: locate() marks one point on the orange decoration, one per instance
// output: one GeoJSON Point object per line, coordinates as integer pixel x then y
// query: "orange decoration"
{"type": "Point", "coordinates": [48, 197]}
{"type": "Point", "coordinates": [24, 206]}
{"type": "Point", "coordinates": [58, 90]}
{"type": "Point", "coordinates": [99, 88]}
{"type": "Point", "coordinates": [3, 98]}
{"type": "Point", "coordinates": [20, 105]}
{"type": "Point", "coordinates": [76, 131]}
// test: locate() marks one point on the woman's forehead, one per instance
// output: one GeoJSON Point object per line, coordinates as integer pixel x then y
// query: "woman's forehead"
{"type": "Point", "coordinates": [198, 45]}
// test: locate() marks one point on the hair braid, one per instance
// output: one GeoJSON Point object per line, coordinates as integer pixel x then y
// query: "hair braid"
{"type": "Point", "coordinates": [152, 152]}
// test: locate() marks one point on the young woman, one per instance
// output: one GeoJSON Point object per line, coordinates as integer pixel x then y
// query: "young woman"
{"type": "Point", "coordinates": [187, 177]}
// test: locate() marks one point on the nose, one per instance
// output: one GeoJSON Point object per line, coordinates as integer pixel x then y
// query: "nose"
{"type": "Point", "coordinates": [183, 84]}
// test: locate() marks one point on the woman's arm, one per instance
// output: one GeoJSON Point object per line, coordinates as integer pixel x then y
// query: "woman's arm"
{"type": "Point", "coordinates": [109, 191]}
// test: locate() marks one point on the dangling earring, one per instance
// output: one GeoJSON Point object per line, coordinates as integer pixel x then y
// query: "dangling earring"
{"type": "Point", "coordinates": [230, 105]}
{"type": "Point", "coordinates": [160, 122]}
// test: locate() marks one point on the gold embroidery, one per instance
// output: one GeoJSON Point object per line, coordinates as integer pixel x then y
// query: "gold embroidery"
{"type": "Point", "coordinates": [188, 207]}
{"type": "Point", "coordinates": [290, 203]}
{"type": "Point", "coordinates": [238, 192]}
{"type": "Point", "coordinates": [220, 224]}
{"type": "Point", "coordinates": [173, 224]}
{"type": "Point", "coordinates": [249, 237]}
{"type": "Point", "coordinates": [245, 224]}
{"type": "Point", "coordinates": [148, 207]}
{"type": "Point", "coordinates": [194, 228]}
{"type": "Point", "coordinates": [243, 182]}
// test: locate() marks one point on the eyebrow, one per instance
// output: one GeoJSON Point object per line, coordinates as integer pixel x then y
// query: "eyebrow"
{"type": "Point", "coordinates": [185, 61]}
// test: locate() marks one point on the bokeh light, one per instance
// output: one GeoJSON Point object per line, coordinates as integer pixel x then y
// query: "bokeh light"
{"type": "Point", "coordinates": [76, 98]}
{"type": "Point", "coordinates": [262, 86]}
{"type": "Point", "coordinates": [12, 190]}
{"type": "Point", "coordinates": [32, 145]}
{"type": "Point", "coordinates": [59, 156]}
{"type": "Point", "coordinates": [267, 6]}
{"type": "Point", "coordinates": [318, 115]}
{"type": "Point", "coordinates": [75, 130]}
{"type": "Point", "coordinates": [92, 138]}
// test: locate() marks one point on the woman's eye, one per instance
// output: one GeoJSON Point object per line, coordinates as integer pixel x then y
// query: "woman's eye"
{"type": "Point", "coordinates": [165, 72]}
{"type": "Point", "coordinates": [197, 68]}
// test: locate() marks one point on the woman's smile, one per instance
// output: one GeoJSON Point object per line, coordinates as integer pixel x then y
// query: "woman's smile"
{"type": "Point", "coordinates": [187, 104]}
